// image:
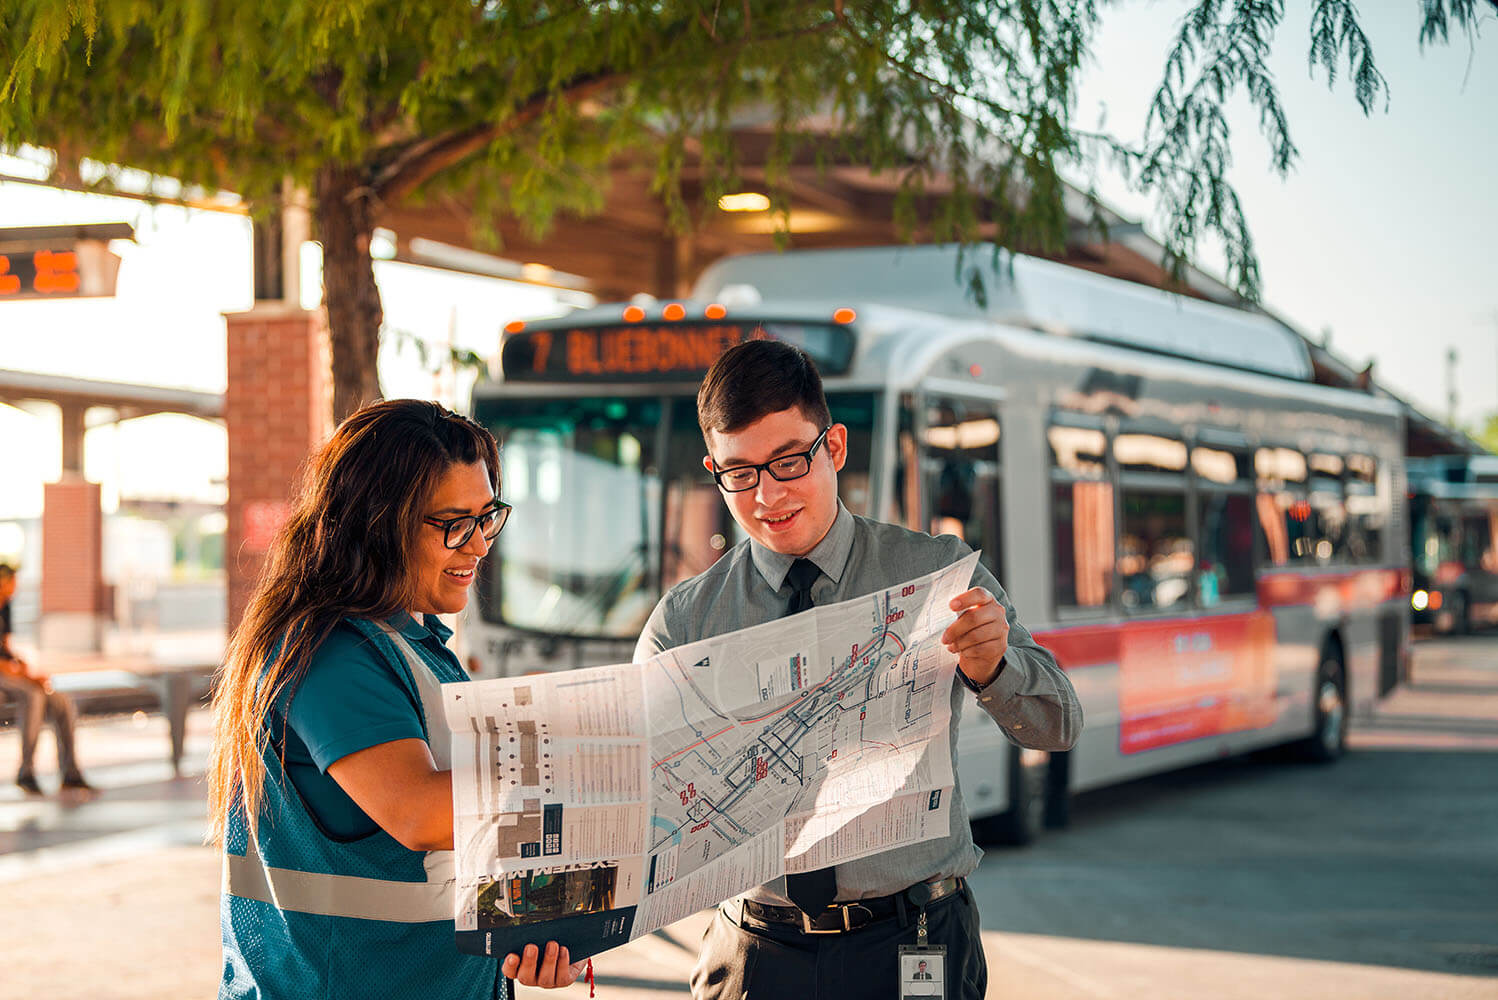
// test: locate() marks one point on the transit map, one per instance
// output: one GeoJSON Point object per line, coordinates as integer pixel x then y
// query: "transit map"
{"type": "Point", "coordinates": [593, 806]}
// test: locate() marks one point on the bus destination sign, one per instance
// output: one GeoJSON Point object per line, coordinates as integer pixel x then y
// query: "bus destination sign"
{"type": "Point", "coordinates": [644, 352]}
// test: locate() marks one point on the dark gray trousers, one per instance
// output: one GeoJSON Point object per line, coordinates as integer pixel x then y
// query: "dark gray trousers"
{"type": "Point", "coordinates": [39, 703]}
{"type": "Point", "coordinates": [778, 962]}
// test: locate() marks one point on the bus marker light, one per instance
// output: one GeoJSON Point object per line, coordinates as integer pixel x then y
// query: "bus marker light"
{"type": "Point", "coordinates": [844, 315]}
{"type": "Point", "coordinates": [515, 326]}
{"type": "Point", "coordinates": [976, 371]}
{"type": "Point", "coordinates": [1436, 600]}
{"type": "Point", "coordinates": [715, 311]}
{"type": "Point", "coordinates": [633, 314]}
{"type": "Point", "coordinates": [674, 311]}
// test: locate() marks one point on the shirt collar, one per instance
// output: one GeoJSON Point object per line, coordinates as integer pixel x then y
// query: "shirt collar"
{"type": "Point", "coordinates": [426, 627]}
{"type": "Point", "coordinates": [830, 554]}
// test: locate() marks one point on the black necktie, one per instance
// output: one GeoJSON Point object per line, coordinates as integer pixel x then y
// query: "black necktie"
{"type": "Point", "coordinates": [802, 575]}
{"type": "Point", "coordinates": [810, 891]}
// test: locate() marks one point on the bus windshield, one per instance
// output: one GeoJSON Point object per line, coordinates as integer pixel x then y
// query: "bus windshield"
{"type": "Point", "coordinates": [613, 507]}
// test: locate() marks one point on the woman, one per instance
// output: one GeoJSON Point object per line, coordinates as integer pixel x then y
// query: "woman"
{"type": "Point", "coordinates": [329, 728]}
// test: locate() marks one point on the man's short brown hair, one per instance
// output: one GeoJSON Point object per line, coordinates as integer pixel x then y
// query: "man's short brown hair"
{"type": "Point", "coordinates": [7, 571]}
{"type": "Point", "coordinates": [756, 378]}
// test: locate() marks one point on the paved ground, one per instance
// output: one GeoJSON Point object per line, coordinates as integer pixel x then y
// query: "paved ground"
{"type": "Point", "coordinates": [1377, 878]}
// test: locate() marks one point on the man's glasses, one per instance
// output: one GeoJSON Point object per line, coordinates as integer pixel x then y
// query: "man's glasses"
{"type": "Point", "coordinates": [784, 468]}
{"type": "Point", "coordinates": [457, 530]}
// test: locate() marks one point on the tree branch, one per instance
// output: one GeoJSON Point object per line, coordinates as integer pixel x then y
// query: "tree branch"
{"type": "Point", "coordinates": [426, 159]}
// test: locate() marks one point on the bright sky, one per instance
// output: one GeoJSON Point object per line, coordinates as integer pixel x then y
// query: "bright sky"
{"type": "Point", "coordinates": [1382, 234]}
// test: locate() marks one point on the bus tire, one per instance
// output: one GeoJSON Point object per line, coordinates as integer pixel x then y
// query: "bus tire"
{"type": "Point", "coordinates": [1328, 739]}
{"type": "Point", "coordinates": [1022, 821]}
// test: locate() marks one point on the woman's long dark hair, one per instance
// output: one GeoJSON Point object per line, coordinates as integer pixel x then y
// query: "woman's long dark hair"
{"type": "Point", "coordinates": [346, 550]}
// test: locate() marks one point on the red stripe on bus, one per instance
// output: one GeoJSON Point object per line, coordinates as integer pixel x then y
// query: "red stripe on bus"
{"type": "Point", "coordinates": [1183, 678]}
{"type": "Point", "coordinates": [1084, 645]}
{"type": "Point", "coordinates": [1360, 589]}
{"type": "Point", "coordinates": [1088, 645]}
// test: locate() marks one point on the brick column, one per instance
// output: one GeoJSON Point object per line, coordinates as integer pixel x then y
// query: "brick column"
{"type": "Point", "coordinates": [72, 599]}
{"type": "Point", "coordinates": [277, 408]}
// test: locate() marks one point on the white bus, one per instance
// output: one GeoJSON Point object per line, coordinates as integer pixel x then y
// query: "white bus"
{"type": "Point", "coordinates": [1211, 544]}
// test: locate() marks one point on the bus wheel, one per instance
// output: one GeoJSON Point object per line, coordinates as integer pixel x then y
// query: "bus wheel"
{"type": "Point", "coordinates": [1328, 739]}
{"type": "Point", "coordinates": [1022, 821]}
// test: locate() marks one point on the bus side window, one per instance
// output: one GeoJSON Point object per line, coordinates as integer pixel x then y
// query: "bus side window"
{"type": "Point", "coordinates": [1081, 517]}
{"type": "Point", "coordinates": [1477, 542]}
{"type": "Point", "coordinates": [1156, 554]}
{"type": "Point", "coordinates": [1364, 519]}
{"type": "Point", "coordinates": [1327, 540]}
{"type": "Point", "coordinates": [907, 465]}
{"type": "Point", "coordinates": [855, 411]}
{"type": "Point", "coordinates": [961, 463]}
{"type": "Point", "coordinates": [1224, 524]}
{"type": "Point", "coordinates": [1282, 505]}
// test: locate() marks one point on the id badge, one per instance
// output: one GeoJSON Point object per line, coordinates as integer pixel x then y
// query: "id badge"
{"type": "Point", "coordinates": [923, 972]}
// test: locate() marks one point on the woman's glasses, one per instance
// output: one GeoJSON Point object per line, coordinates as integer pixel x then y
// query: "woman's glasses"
{"type": "Point", "coordinates": [456, 531]}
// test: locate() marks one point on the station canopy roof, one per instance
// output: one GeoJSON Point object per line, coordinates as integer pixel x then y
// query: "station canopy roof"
{"type": "Point", "coordinates": [629, 247]}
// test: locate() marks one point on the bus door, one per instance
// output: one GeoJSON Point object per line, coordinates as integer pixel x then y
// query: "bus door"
{"type": "Point", "coordinates": [1479, 556]}
{"type": "Point", "coordinates": [957, 454]}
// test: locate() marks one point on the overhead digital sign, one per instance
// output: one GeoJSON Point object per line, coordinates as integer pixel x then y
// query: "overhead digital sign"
{"type": "Point", "coordinates": [39, 274]}
{"type": "Point", "coordinates": [60, 262]}
{"type": "Point", "coordinates": [630, 352]}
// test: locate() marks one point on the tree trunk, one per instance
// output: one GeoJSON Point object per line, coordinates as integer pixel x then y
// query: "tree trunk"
{"type": "Point", "coordinates": [345, 221]}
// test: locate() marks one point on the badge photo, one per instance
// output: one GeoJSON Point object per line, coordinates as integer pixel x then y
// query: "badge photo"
{"type": "Point", "coordinates": [922, 973]}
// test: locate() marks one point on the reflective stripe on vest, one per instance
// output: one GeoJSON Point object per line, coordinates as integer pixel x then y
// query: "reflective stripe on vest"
{"type": "Point", "coordinates": [353, 896]}
{"type": "Point", "coordinates": [335, 895]}
{"type": "Point", "coordinates": [429, 688]}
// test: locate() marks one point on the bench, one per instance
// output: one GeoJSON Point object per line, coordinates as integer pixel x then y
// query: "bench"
{"type": "Point", "coordinates": [170, 691]}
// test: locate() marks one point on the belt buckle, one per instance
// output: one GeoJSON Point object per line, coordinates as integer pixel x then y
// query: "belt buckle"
{"type": "Point", "coordinates": [845, 909]}
{"type": "Point", "coordinates": [807, 928]}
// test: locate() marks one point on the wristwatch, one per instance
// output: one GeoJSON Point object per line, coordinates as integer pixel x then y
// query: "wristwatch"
{"type": "Point", "coordinates": [973, 685]}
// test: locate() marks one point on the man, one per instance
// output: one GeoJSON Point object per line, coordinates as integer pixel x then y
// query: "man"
{"type": "Point", "coordinates": [775, 453]}
{"type": "Point", "coordinates": [38, 700]}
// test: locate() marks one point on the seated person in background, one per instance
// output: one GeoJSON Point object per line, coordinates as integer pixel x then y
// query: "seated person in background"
{"type": "Point", "coordinates": [38, 703]}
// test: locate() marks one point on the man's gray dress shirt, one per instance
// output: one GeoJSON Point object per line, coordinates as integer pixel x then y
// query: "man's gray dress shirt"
{"type": "Point", "coordinates": [1031, 699]}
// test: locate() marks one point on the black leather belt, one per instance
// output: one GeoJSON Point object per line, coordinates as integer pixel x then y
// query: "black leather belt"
{"type": "Point", "coordinates": [840, 918]}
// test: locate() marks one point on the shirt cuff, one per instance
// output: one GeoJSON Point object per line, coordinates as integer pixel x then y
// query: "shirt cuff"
{"type": "Point", "coordinates": [998, 697]}
{"type": "Point", "coordinates": [973, 685]}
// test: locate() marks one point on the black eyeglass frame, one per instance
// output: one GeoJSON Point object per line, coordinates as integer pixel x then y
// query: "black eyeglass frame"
{"type": "Point", "coordinates": [809, 454]}
{"type": "Point", "coordinates": [447, 525]}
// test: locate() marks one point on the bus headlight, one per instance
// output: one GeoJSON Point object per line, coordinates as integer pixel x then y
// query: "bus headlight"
{"type": "Point", "coordinates": [1419, 600]}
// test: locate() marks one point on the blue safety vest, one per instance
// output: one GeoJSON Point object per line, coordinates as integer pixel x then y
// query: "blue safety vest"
{"type": "Point", "coordinates": [304, 915]}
